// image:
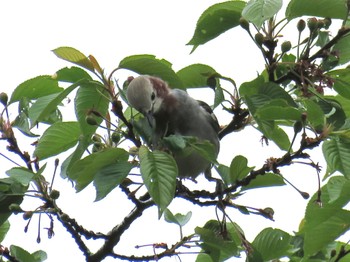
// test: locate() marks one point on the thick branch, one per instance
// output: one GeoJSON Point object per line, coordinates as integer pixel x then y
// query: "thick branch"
{"type": "Point", "coordinates": [116, 232]}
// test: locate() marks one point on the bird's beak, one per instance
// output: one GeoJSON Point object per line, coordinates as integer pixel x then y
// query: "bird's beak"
{"type": "Point", "coordinates": [150, 118]}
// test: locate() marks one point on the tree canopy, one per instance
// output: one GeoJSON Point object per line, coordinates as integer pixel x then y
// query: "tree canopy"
{"type": "Point", "coordinates": [299, 102]}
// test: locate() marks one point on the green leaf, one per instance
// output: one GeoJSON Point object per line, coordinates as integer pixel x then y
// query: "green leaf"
{"type": "Point", "coordinates": [270, 112]}
{"type": "Point", "coordinates": [72, 74]}
{"type": "Point", "coordinates": [315, 115]}
{"type": "Point", "coordinates": [159, 172]}
{"type": "Point", "coordinates": [337, 154]}
{"type": "Point", "coordinates": [23, 255]}
{"type": "Point", "coordinates": [272, 243]}
{"type": "Point", "coordinates": [36, 87]}
{"type": "Point", "coordinates": [218, 244]}
{"type": "Point", "coordinates": [75, 156]}
{"type": "Point", "coordinates": [4, 228]}
{"type": "Point", "coordinates": [267, 180]}
{"type": "Point", "coordinates": [219, 96]}
{"type": "Point", "coordinates": [21, 175]}
{"type": "Point", "coordinates": [11, 192]}
{"type": "Point", "coordinates": [258, 11]}
{"type": "Point", "coordinates": [343, 47]}
{"type": "Point", "coordinates": [345, 104]}
{"type": "Point", "coordinates": [322, 8]}
{"type": "Point", "coordinates": [326, 225]}
{"type": "Point", "coordinates": [333, 111]}
{"type": "Point", "coordinates": [216, 20]}
{"type": "Point", "coordinates": [178, 219]}
{"type": "Point", "coordinates": [22, 124]}
{"type": "Point", "coordinates": [109, 177]}
{"type": "Point", "coordinates": [335, 188]}
{"type": "Point", "coordinates": [150, 65]}
{"type": "Point", "coordinates": [90, 96]}
{"type": "Point", "coordinates": [74, 56]}
{"type": "Point", "coordinates": [203, 147]}
{"type": "Point", "coordinates": [58, 138]}
{"type": "Point", "coordinates": [239, 168]}
{"type": "Point", "coordinates": [273, 132]}
{"type": "Point", "coordinates": [84, 171]}
{"type": "Point", "coordinates": [341, 79]}
{"type": "Point", "coordinates": [44, 106]}
{"type": "Point", "coordinates": [195, 75]}
{"type": "Point", "coordinates": [224, 172]}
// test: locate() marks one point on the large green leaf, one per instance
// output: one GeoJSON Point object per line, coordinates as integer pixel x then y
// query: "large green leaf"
{"type": "Point", "coordinates": [84, 171]}
{"type": "Point", "coordinates": [343, 47]}
{"type": "Point", "coordinates": [271, 112]}
{"type": "Point", "coordinates": [74, 56]}
{"type": "Point", "coordinates": [322, 8]}
{"type": "Point", "coordinates": [72, 74]}
{"type": "Point", "coordinates": [315, 115]}
{"type": "Point", "coordinates": [325, 224]}
{"type": "Point", "coordinates": [83, 144]}
{"type": "Point", "coordinates": [258, 11]}
{"type": "Point", "coordinates": [36, 87]}
{"type": "Point", "coordinates": [23, 255]}
{"type": "Point", "coordinates": [342, 80]}
{"type": "Point", "coordinates": [159, 172]}
{"type": "Point", "coordinates": [216, 20]}
{"type": "Point", "coordinates": [90, 96]}
{"type": "Point", "coordinates": [272, 244]}
{"type": "Point", "coordinates": [195, 75]}
{"type": "Point", "coordinates": [333, 111]}
{"type": "Point", "coordinates": [11, 192]}
{"type": "Point", "coordinates": [22, 124]}
{"type": "Point", "coordinates": [337, 154]}
{"type": "Point", "coordinates": [45, 105]}
{"type": "Point", "coordinates": [4, 228]}
{"type": "Point", "coordinates": [21, 175]}
{"type": "Point", "coordinates": [150, 65]}
{"type": "Point", "coordinates": [219, 244]}
{"type": "Point", "coordinates": [58, 138]}
{"type": "Point", "coordinates": [109, 177]}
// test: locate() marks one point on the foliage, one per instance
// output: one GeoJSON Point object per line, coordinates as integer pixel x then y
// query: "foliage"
{"type": "Point", "coordinates": [305, 87]}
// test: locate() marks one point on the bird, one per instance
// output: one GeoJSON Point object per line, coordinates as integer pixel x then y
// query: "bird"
{"type": "Point", "coordinates": [173, 112]}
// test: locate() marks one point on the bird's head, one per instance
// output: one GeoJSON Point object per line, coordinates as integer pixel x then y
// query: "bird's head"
{"type": "Point", "coordinates": [146, 94]}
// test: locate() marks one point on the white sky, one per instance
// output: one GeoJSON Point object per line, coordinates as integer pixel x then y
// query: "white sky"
{"type": "Point", "coordinates": [111, 30]}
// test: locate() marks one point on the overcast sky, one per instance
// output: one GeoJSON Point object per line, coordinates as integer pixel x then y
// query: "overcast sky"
{"type": "Point", "coordinates": [112, 30]}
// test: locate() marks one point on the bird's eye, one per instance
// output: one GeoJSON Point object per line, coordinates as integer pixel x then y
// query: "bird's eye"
{"type": "Point", "coordinates": [153, 96]}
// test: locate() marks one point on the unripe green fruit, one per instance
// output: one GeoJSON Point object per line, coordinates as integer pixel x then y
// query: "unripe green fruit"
{"type": "Point", "coordinates": [15, 208]}
{"type": "Point", "coordinates": [298, 126]}
{"type": "Point", "coordinates": [312, 24]}
{"type": "Point", "coordinates": [244, 23]}
{"type": "Point", "coordinates": [133, 151]}
{"type": "Point", "coordinates": [27, 215]}
{"type": "Point", "coordinates": [301, 25]}
{"type": "Point", "coordinates": [55, 194]}
{"type": "Point", "coordinates": [3, 98]}
{"type": "Point", "coordinates": [96, 138]}
{"type": "Point", "coordinates": [91, 120]}
{"type": "Point", "coordinates": [115, 137]}
{"type": "Point", "coordinates": [286, 46]}
{"type": "Point", "coordinates": [259, 38]}
{"type": "Point", "coordinates": [98, 146]}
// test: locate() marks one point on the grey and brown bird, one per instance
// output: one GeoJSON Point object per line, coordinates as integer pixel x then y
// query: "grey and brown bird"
{"type": "Point", "coordinates": [174, 112]}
